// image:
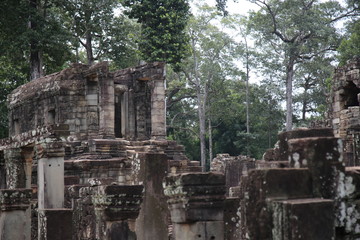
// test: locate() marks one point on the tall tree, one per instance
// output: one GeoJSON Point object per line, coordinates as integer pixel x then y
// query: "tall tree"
{"type": "Point", "coordinates": [163, 23]}
{"type": "Point", "coordinates": [100, 28]}
{"type": "Point", "coordinates": [310, 82]}
{"type": "Point", "coordinates": [30, 32]}
{"type": "Point", "coordinates": [350, 45]}
{"type": "Point", "coordinates": [212, 59]}
{"type": "Point", "coordinates": [298, 30]}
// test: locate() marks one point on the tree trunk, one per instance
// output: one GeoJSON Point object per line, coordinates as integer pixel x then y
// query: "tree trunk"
{"type": "Point", "coordinates": [89, 52]}
{"type": "Point", "coordinates": [36, 70]}
{"type": "Point", "coordinates": [289, 81]}
{"type": "Point", "coordinates": [201, 101]}
{"type": "Point", "coordinates": [304, 107]}
{"type": "Point", "coordinates": [210, 142]}
{"type": "Point", "coordinates": [202, 122]}
{"type": "Point", "coordinates": [36, 64]}
{"type": "Point", "coordinates": [247, 88]}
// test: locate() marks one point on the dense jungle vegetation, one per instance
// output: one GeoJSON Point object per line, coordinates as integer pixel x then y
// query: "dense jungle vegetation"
{"type": "Point", "coordinates": [233, 80]}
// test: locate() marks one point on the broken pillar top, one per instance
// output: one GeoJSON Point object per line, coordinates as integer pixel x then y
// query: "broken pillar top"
{"type": "Point", "coordinates": [15, 199]}
{"type": "Point", "coordinates": [284, 137]}
{"type": "Point", "coordinates": [195, 196]}
{"type": "Point", "coordinates": [279, 183]}
{"type": "Point", "coordinates": [188, 179]}
{"type": "Point", "coordinates": [118, 202]}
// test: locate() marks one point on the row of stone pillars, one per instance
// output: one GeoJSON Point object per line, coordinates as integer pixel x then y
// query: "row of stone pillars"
{"type": "Point", "coordinates": [116, 206]}
{"type": "Point", "coordinates": [15, 200]}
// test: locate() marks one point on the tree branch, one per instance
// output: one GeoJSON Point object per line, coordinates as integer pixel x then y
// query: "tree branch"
{"type": "Point", "coordinates": [352, 13]}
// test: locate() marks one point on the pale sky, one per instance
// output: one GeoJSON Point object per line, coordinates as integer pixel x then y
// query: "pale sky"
{"type": "Point", "coordinates": [240, 6]}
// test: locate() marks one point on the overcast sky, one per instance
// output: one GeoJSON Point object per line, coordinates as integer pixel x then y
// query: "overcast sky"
{"type": "Point", "coordinates": [240, 6]}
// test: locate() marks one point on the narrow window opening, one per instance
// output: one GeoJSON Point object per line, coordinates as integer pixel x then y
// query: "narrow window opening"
{"type": "Point", "coordinates": [16, 125]}
{"type": "Point", "coordinates": [51, 117]}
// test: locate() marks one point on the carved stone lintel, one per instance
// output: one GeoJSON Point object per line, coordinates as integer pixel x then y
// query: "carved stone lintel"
{"type": "Point", "coordinates": [118, 202]}
{"type": "Point", "coordinates": [15, 199]}
{"type": "Point", "coordinates": [195, 196]}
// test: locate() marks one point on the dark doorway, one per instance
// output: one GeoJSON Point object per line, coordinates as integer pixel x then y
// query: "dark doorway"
{"type": "Point", "coordinates": [350, 97]}
{"type": "Point", "coordinates": [118, 133]}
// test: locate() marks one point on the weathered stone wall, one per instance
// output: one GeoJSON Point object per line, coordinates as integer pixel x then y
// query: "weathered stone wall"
{"type": "Point", "coordinates": [233, 167]}
{"type": "Point", "coordinates": [85, 98]}
{"type": "Point", "coordinates": [83, 128]}
{"type": "Point", "coordinates": [56, 98]}
{"type": "Point", "coordinates": [345, 111]}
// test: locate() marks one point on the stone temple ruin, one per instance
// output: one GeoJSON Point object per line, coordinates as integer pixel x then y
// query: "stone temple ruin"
{"type": "Point", "coordinates": [87, 158]}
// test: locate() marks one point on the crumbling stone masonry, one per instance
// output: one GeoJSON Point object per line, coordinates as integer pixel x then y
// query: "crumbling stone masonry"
{"type": "Point", "coordinates": [309, 181]}
{"type": "Point", "coordinates": [196, 203]}
{"type": "Point", "coordinates": [344, 114]}
{"type": "Point", "coordinates": [84, 140]}
{"type": "Point", "coordinates": [88, 159]}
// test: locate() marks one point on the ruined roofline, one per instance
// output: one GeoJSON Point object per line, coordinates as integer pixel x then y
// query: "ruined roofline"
{"type": "Point", "coordinates": [64, 81]}
{"type": "Point", "coordinates": [144, 72]}
{"type": "Point", "coordinates": [49, 84]}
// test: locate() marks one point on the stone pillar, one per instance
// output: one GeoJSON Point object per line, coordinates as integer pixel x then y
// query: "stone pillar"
{"type": "Point", "coordinates": [299, 133]}
{"type": "Point", "coordinates": [116, 208]}
{"type": "Point", "coordinates": [231, 218]}
{"type": "Point", "coordinates": [152, 222]}
{"type": "Point", "coordinates": [323, 157]}
{"type": "Point", "coordinates": [309, 219]}
{"type": "Point", "coordinates": [158, 111]}
{"type": "Point", "coordinates": [130, 133]}
{"type": "Point", "coordinates": [259, 189]}
{"type": "Point", "coordinates": [196, 203]}
{"type": "Point", "coordinates": [50, 155]}
{"type": "Point", "coordinates": [2, 171]}
{"type": "Point", "coordinates": [15, 172]}
{"type": "Point", "coordinates": [15, 221]}
{"type": "Point", "coordinates": [107, 107]}
{"type": "Point", "coordinates": [27, 154]}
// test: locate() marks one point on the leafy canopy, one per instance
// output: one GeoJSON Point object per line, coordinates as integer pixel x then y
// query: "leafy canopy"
{"type": "Point", "coordinates": [163, 22]}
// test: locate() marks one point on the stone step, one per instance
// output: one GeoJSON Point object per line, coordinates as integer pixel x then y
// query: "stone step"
{"type": "Point", "coordinates": [71, 180]}
{"type": "Point", "coordinates": [310, 219]}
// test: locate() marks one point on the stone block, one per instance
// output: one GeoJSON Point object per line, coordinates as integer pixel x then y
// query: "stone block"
{"type": "Point", "coordinates": [51, 182]}
{"type": "Point", "coordinates": [71, 180]}
{"type": "Point", "coordinates": [262, 186]}
{"type": "Point", "coordinates": [195, 196]}
{"type": "Point", "coordinates": [310, 219]}
{"type": "Point", "coordinates": [55, 224]}
{"type": "Point", "coordinates": [15, 224]}
{"type": "Point", "coordinates": [323, 157]}
{"type": "Point", "coordinates": [271, 164]}
{"type": "Point", "coordinates": [231, 219]}
{"type": "Point", "coordinates": [199, 230]}
{"type": "Point", "coordinates": [281, 183]}
{"type": "Point", "coordinates": [152, 222]}
{"type": "Point", "coordinates": [117, 202]}
{"type": "Point", "coordinates": [284, 137]}
{"type": "Point", "coordinates": [352, 183]}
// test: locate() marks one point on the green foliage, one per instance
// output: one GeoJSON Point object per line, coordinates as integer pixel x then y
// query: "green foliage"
{"type": "Point", "coordinates": [57, 29]}
{"type": "Point", "coordinates": [350, 48]}
{"type": "Point", "coordinates": [311, 88]}
{"type": "Point", "coordinates": [11, 76]}
{"type": "Point", "coordinates": [103, 33]}
{"type": "Point", "coordinates": [266, 119]}
{"type": "Point", "coordinates": [50, 35]}
{"type": "Point", "coordinates": [163, 23]}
